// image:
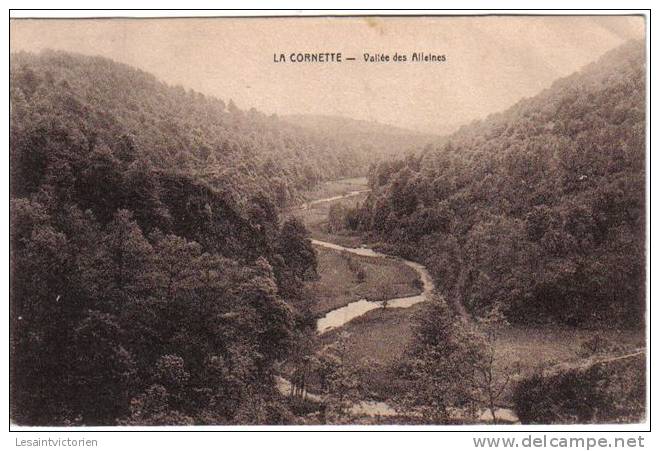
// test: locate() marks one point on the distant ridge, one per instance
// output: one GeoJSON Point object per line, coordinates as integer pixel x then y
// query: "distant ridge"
{"type": "Point", "coordinates": [377, 139]}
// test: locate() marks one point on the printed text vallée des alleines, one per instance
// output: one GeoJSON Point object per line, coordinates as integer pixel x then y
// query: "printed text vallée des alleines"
{"type": "Point", "coordinates": [339, 57]}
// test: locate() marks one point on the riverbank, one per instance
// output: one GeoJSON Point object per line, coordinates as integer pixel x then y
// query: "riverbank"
{"type": "Point", "coordinates": [314, 212]}
{"type": "Point", "coordinates": [353, 283]}
{"type": "Point", "coordinates": [341, 316]}
{"type": "Point", "coordinates": [376, 343]}
{"type": "Point", "coordinates": [345, 278]}
{"type": "Point", "coordinates": [376, 338]}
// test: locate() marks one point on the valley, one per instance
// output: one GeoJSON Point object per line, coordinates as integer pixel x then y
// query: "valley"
{"type": "Point", "coordinates": [182, 261]}
{"type": "Point", "coordinates": [376, 336]}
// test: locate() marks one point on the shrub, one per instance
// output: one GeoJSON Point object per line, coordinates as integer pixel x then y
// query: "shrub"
{"type": "Point", "coordinates": [571, 396]}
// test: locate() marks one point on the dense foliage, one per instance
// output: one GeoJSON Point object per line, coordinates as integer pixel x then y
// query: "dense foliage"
{"type": "Point", "coordinates": [150, 273]}
{"type": "Point", "coordinates": [602, 393]}
{"type": "Point", "coordinates": [539, 210]}
{"type": "Point", "coordinates": [88, 103]}
{"type": "Point", "coordinates": [451, 370]}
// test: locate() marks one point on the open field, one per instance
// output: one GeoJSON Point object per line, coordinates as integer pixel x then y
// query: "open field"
{"type": "Point", "coordinates": [376, 344]}
{"type": "Point", "coordinates": [532, 347]}
{"type": "Point", "coordinates": [337, 188]}
{"type": "Point", "coordinates": [345, 278]}
{"type": "Point", "coordinates": [378, 340]}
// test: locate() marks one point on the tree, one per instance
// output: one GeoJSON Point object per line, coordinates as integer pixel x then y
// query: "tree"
{"type": "Point", "coordinates": [439, 365]}
{"type": "Point", "coordinates": [130, 256]}
{"type": "Point", "coordinates": [152, 408]}
{"type": "Point", "coordinates": [339, 379]}
{"type": "Point", "coordinates": [100, 185]}
{"type": "Point", "coordinates": [273, 318]}
{"type": "Point", "coordinates": [294, 260]}
{"type": "Point", "coordinates": [296, 248]}
{"type": "Point", "coordinates": [188, 324]}
{"type": "Point", "coordinates": [491, 378]}
{"type": "Point", "coordinates": [337, 218]}
{"type": "Point", "coordinates": [103, 370]}
{"type": "Point", "coordinates": [530, 209]}
{"type": "Point", "coordinates": [571, 396]}
{"type": "Point", "coordinates": [176, 262]}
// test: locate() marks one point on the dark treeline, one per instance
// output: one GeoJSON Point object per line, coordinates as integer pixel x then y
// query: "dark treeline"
{"type": "Point", "coordinates": [602, 393]}
{"type": "Point", "coordinates": [150, 273]}
{"type": "Point", "coordinates": [539, 210]}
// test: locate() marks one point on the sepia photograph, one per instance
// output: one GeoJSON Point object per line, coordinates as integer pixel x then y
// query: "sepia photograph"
{"type": "Point", "coordinates": [328, 220]}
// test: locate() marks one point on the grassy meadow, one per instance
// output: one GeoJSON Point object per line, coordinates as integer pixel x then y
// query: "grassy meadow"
{"type": "Point", "coordinates": [377, 341]}
{"type": "Point", "coordinates": [345, 278]}
{"type": "Point", "coordinates": [540, 346]}
{"type": "Point", "coordinates": [337, 188]}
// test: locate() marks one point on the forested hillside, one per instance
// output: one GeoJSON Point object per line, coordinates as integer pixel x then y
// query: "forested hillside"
{"type": "Point", "coordinates": [377, 140]}
{"type": "Point", "coordinates": [150, 273]}
{"type": "Point", "coordinates": [100, 104]}
{"type": "Point", "coordinates": [538, 210]}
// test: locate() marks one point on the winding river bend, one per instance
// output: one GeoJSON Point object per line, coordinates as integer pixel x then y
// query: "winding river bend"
{"type": "Point", "coordinates": [340, 316]}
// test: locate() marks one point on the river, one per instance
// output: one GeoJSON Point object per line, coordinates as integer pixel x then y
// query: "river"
{"type": "Point", "coordinates": [342, 315]}
{"type": "Point", "coordinates": [311, 203]}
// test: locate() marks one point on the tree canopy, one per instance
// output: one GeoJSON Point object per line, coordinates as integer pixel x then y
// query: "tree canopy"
{"type": "Point", "coordinates": [538, 210]}
{"type": "Point", "coordinates": [150, 272]}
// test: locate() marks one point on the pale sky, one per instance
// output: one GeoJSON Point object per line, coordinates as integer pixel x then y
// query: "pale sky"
{"type": "Point", "coordinates": [492, 62]}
